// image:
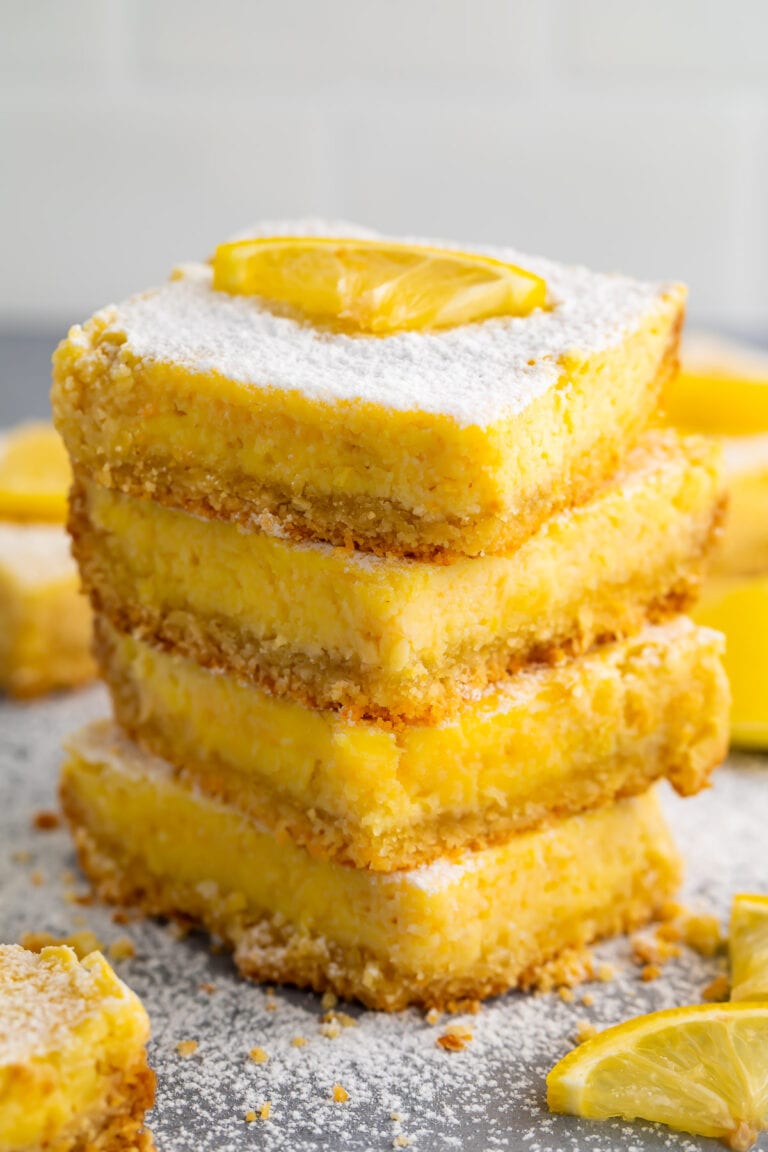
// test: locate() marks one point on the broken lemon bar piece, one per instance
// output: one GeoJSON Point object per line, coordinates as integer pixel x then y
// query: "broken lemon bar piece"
{"type": "Point", "coordinates": [546, 742]}
{"type": "Point", "coordinates": [383, 636]}
{"type": "Point", "coordinates": [73, 1064]}
{"type": "Point", "coordinates": [457, 440]}
{"type": "Point", "coordinates": [467, 926]}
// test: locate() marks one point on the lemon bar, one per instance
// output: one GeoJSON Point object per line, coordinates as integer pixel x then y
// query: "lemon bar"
{"type": "Point", "coordinates": [739, 606]}
{"type": "Point", "coordinates": [548, 741]}
{"type": "Point", "coordinates": [461, 440]}
{"type": "Point", "coordinates": [392, 637]}
{"type": "Point", "coordinates": [470, 926]}
{"type": "Point", "coordinates": [45, 621]}
{"type": "Point", "coordinates": [73, 1065]}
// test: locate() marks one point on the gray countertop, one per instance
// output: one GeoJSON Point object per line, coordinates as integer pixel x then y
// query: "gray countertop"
{"type": "Point", "coordinates": [486, 1098]}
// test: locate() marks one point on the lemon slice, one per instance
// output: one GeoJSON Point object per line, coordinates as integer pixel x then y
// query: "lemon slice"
{"type": "Point", "coordinates": [702, 1070]}
{"type": "Point", "coordinates": [376, 286]}
{"type": "Point", "coordinates": [749, 947]}
{"type": "Point", "coordinates": [34, 474]}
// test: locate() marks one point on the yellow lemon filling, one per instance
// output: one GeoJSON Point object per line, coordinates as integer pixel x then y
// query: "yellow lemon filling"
{"type": "Point", "coordinates": [34, 474]}
{"type": "Point", "coordinates": [548, 741]}
{"type": "Point", "coordinates": [465, 926]}
{"type": "Point", "coordinates": [72, 1056]}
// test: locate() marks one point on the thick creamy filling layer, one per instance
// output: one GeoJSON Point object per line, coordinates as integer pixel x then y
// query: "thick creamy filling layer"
{"type": "Point", "coordinates": [446, 917]}
{"type": "Point", "coordinates": [604, 562]}
{"type": "Point", "coordinates": [656, 703]}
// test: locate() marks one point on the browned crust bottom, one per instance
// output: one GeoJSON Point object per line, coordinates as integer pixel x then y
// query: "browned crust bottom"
{"type": "Point", "coordinates": [217, 643]}
{"type": "Point", "coordinates": [268, 949]}
{"type": "Point", "coordinates": [381, 526]}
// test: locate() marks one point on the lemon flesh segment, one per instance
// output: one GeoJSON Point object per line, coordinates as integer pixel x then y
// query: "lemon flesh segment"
{"type": "Point", "coordinates": [749, 947]}
{"type": "Point", "coordinates": [34, 474]}
{"type": "Point", "coordinates": [702, 1070]}
{"type": "Point", "coordinates": [378, 287]}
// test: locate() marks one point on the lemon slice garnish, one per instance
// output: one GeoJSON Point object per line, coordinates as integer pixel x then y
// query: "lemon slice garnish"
{"type": "Point", "coordinates": [702, 1070]}
{"type": "Point", "coordinates": [34, 474]}
{"type": "Point", "coordinates": [749, 947]}
{"type": "Point", "coordinates": [376, 286]}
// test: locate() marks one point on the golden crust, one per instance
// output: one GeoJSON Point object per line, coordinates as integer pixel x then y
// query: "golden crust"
{"type": "Point", "coordinates": [268, 949]}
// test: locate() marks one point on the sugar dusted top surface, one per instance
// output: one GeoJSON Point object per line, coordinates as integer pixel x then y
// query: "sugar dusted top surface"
{"type": "Point", "coordinates": [43, 998]}
{"type": "Point", "coordinates": [475, 374]}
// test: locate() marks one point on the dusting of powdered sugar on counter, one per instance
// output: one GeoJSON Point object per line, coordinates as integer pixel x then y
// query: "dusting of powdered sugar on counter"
{"type": "Point", "coordinates": [487, 1098]}
{"type": "Point", "coordinates": [475, 373]}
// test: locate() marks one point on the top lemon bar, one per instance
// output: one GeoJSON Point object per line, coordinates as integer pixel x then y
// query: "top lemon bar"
{"type": "Point", "coordinates": [449, 441]}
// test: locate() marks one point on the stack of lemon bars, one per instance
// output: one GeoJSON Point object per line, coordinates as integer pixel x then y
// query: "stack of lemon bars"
{"type": "Point", "coordinates": [389, 554]}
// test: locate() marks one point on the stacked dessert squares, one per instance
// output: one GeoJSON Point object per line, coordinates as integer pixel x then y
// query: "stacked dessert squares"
{"type": "Point", "coordinates": [392, 623]}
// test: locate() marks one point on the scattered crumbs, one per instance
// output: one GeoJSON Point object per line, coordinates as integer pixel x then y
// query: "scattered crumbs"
{"type": "Point", "coordinates": [299, 1042]}
{"type": "Point", "coordinates": [454, 1039]}
{"type": "Point", "coordinates": [328, 1001]}
{"type": "Point", "coordinates": [121, 949]}
{"type": "Point", "coordinates": [717, 989]}
{"type": "Point", "coordinates": [330, 1031]}
{"type": "Point", "coordinates": [702, 933]}
{"type": "Point", "coordinates": [37, 878]}
{"type": "Point", "coordinates": [588, 1000]}
{"type": "Point", "coordinates": [258, 1055]}
{"type": "Point", "coordinates": [400, 1142]}
{"type": "Point", "coordinates": [605, 973]}
{"type": "Point", "coordinates": [650, 950]}
{"type": "Point", "coordinates": [340, 1094]}
{"type": "Point", "coordinates": [572, 967]}
{"type": "Point", "coordinates": [266, 1110]}
{"type": "Point", "coordinates": [650, 972]}
{"type": "Point", "coordinates": [207, 987]}
{"type": "Point", "coordinates": [585, 1031]}
{"type": "Point", "coordinates": [187, 1048]}
{"type": "Point", "coordinates": [83, 943]}
{"type": "Point", "coordinates": [250, 1116]}
{"type": "Point", "coordinates": [669, 931]}
{"type": "Point", "coordinates": [342, 1018]}
{"type": "Point", "coordinates": [396, 1117]}
{"type": "Point", "coordinates": [463, 1006]}
{"type": "Point", "coordinates": [46, 821]}
{"type": "Point", "coordinates": [671, 910]}
{"type": "Point", "coordinates": [433, 1016]}
{"type": "Point", "coordinates": [566, 994]}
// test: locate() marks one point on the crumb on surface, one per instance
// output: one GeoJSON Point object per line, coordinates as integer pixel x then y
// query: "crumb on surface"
{"type": "Point", "coordinates": [342, 1018]}
{"type": "Point", "coordinates": [566, 994]}
{"type": "Point", "coordinates": [455, 1039]}
{"type": "Point", "coordinates": [717, 990]}
{"type": "Point", "coordinates": [587, 999]}
{"type": "Point", "coordinates": [400, 1142]}
{"type": "Point", "coordinates": [46, 821]}
{"type": "Point", "coordinates": [36, 878]}
{"type": "Point", "coordinates": [120, 917]}
{"type": "Point", "coordinates": [250, 1116]}
{"type": "Point", "coordinates": [187, 1048]}
{"type": "Point", "coordinates": [82, 943]}
{"type": "Point", "coordinates": [585, 1030]}
{"type": "Point", "coordinates": [433, 1016]}
{"type": "Point", "coordinates": [340, 1094]}
{"type": "Point", "coordinates": [573, 966]}
{"type": "Point", "coordinates": [395, 1116]}
{"type": "Point", "coordinates": [330, 1031]}
{"type": "Point", "coordinates": [266, 1110]}
{"type": "Point", "coordinates": [650, 972]}
{"type": "Point", "coordinates": [299, 1041]}
{"type": "Point", "coordinates": [701, 932]}
{"type": "Point", "coordinates": [258, 1055]}
{"type": "Point", "coordinates": [650, 950]}
{"type": "Point", "coordinates": [605, 973]}
{"type": "Point", "coordinates": [21, 857]}
{"type": "Point", "coordinates": [122, 949]}
{"type": "Point", "coordinates": [329, 1000]}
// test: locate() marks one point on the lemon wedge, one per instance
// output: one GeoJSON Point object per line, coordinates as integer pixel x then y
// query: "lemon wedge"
{"type": "Point", "coordinates": [376, 286]}
{"type": "Point", "coordinates": [749, 947]}
{"type": "Point", "coordinates": [702, 1070]}
{"type": "Point", "coordinates": [34, 474]}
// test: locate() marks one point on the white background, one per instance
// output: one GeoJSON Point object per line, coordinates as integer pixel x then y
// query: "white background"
{"type": "Point", "coordinates": [626, 134]}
